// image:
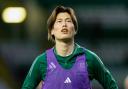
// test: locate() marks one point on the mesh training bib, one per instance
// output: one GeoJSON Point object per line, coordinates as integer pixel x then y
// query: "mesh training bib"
{"type": "Point", "coordinates": [59, 78]}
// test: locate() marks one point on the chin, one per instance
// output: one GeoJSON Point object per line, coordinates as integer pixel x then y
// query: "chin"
{"type": "Point", "coordinates": [66, 39]}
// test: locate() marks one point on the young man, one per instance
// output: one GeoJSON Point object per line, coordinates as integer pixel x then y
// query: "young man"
{"type": "Point", "coordinates": [67, 65]}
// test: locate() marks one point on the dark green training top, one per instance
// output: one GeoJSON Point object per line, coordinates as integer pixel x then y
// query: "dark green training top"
{"type": "Point", "coordinates": [96, 68]}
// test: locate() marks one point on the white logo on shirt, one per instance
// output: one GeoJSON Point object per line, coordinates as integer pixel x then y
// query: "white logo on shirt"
{"type": "Point", "coordinates": [67, 80]}
{"type": "Point", "coordinates": [52, 66]}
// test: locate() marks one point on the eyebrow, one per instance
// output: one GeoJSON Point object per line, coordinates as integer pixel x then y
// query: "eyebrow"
{"type": "Point", "coordinates": [61, 18]}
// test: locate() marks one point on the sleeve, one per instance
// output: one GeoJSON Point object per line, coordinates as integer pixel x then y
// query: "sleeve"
{"type": "Point", "coordinates": [102, 74]}
{"type": "Point", "coordinates": [34, 76]}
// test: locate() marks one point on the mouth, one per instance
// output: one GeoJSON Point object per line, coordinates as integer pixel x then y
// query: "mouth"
{"type": "Point", "coordinates": [64, 30]}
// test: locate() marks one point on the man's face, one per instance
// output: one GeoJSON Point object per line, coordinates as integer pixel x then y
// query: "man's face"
{"type": "Point", "coordinates": [63, 27]}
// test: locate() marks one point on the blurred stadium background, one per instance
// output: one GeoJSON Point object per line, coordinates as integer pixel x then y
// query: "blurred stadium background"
{"type": "Point", "coordinates": [103, 28]}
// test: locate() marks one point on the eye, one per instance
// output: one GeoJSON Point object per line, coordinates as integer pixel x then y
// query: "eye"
{"type": "Point", "coordinates": [58, 21]}
{"type": "Point", "coordinates": [69, 21]}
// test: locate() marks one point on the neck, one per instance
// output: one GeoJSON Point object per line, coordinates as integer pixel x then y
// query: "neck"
{"type": "Point", "coordinates": [64, 48]}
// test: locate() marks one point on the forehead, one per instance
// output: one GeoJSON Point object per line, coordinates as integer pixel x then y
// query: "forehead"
{"type": "Point", "coordinates": [63, 15]}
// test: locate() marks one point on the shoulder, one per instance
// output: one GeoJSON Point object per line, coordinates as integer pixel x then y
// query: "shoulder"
{"type": "Point", "coordinates": [91, 54]}
{"type": "Point", "coordinates": [92, 57]}
{"type": "Point", "coordinates": [88, 53]}
{"type": "Point", "coordinates": [41, 58]}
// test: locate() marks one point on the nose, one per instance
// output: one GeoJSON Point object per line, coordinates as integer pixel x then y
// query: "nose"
{"type": "Point", "coordinates": [64, 24]}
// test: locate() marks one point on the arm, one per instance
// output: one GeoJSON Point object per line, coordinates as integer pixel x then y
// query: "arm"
{"type": "Point", "coordinates": [102, 74]}
{"type": "Point", "coordinates": [34, 76]}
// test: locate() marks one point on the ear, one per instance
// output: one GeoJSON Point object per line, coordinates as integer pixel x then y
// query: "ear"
{"type": "Point", "coordinates": [75, 32]}
{"type": "Point", "coordinates": [52, 32]}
